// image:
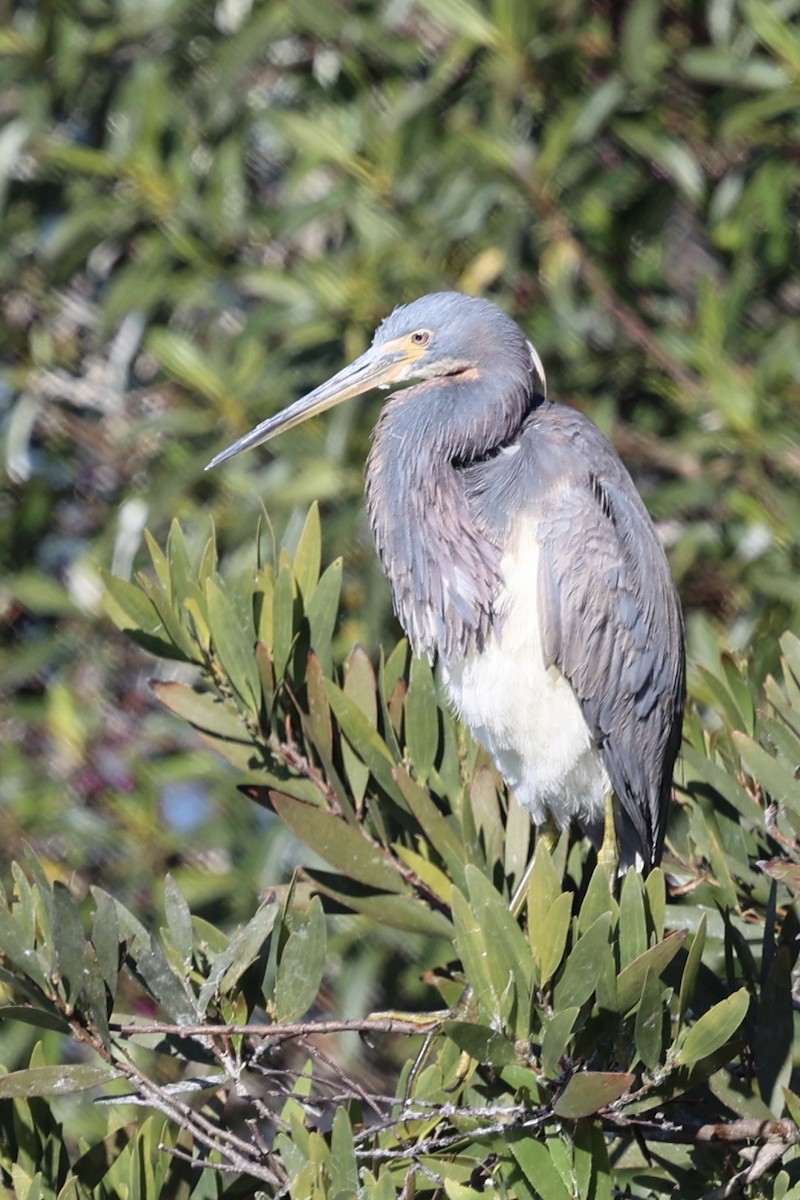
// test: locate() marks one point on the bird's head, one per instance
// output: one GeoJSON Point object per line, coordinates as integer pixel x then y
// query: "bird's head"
{"type": "Point", "coordinates": [445, 335]}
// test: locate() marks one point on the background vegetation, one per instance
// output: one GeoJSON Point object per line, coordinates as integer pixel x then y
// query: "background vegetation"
{"type": "Point", "coordinates": [206, 209]}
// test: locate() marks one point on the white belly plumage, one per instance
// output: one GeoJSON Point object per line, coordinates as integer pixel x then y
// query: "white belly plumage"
{"type": "Point", "coordinates": [524, 715]}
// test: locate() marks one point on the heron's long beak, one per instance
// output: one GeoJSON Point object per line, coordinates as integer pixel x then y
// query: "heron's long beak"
{"type": "Point", "coordinates": [378, 367]}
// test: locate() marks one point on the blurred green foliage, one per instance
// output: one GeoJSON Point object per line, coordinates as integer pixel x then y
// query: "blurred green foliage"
{"type": "Point", "coordinates": [205, 210]}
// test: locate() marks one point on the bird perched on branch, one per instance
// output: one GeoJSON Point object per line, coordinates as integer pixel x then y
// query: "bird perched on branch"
{"type": "Point", "coordinates": [522, 558]}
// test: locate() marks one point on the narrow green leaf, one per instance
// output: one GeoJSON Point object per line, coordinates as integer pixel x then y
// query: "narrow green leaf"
{"type": "Point", "coordinates": [54, 1081]}
{"type": "Point", "coordinates": [148, 961]}
{"type": "Point", "coordinates": [632, 930]}
{"type": "Point", "coordinates": [544, 885]}
{"type": "Point", "coordinates": [589, 1091]}
{"type": "Point", "coordinates": [364, 739]}
{"type": "Point", "coordinates": [234, 646]}
{"type": "Point", "coordinates": [301, 965]}
{"type": "Point", "coordinates": [578, 981]}
{"type": "Point", "coordinates": [179, 565]}
{"type": "Point", "coordinates": [533, 1159]}
{"type": "Point", "coordinates": [422, 718]}
{"type": "Point", "coordinates": [549, 940]}
{"type": "Point", "coordinates": [93, 999]}
{"type": "Point", "coordinates": [308, 556]}
{"type": "Point", "coordinates": [322, 611]}
{"type": "Point", "coordinates": [69, 942]}
{"type": "Point", "coordinates": [339, 843]}
{"type": "Point", "coordinates": [319, 710]}
{"type": "Point", "coordinates": [283, 619]}
{"type": "Point", "coordinates": [437, 828]}
{"type": "Point", "coordinates": [630, 980]}
{"type": "Point", "coordinates": [557, 1033]}
{"type": "Point", "coordinates": [474, 952]}
{"type": "Point", "coordinates": [344, 1168]}
{"type": "Point", "coordinates": [360, 687]}
{"type": "Point", "coordinates": [649, 1023]}
{"type": "Point", "coordinates": [42, 1018]}
{"type": "Point", "coordinates": [777, 779]}
{"type": "Point", "coordinates": [240, 953]}
{"type": "Point", "coordinates": [714, 1028]}
{"type": "Point", "coordinates": [598, 900]}
{"type": "Point", "coordinates": [482, 1043]}
{"type": "Point", "coordinates": [774, 1040]}
{"type": "Point", "coordinates": [202, 709]}
{"type": "Point", "coordinates": [509, 958]}
{"type": "Point", "coordinates": [692, 966]}
{"type": "Point", "coordinates": [407, 913]}
{"type": "Point", "coordinates": [105, 939]}
{"type": "Point", "coordinates": [655, 890]}
{"type": "Point", "coordinates": [179, 920]}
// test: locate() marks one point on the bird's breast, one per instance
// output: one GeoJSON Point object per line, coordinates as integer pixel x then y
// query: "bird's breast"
{"type": "Point", "coordinates": [523, 712]}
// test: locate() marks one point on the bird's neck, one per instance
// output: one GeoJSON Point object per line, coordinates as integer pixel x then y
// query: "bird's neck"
{"type": "Point", "coordinates": [443, 568]}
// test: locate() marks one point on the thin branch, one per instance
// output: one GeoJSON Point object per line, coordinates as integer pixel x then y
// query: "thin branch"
{"type": "Point", "coordinates": [282, 1033]}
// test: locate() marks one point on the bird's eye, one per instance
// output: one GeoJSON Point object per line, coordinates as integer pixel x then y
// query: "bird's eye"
{"type": "Point", "coordinates": [421, 337]}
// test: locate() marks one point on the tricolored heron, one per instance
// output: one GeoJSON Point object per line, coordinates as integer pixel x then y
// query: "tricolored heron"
{"type": "Point", "coordinates": [521, 556]}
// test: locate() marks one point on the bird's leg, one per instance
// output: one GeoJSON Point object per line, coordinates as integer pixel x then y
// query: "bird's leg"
{"type": "Point", "coordinates": [548, 834]}
{"type": "Point", "coordinates": [608, 854]}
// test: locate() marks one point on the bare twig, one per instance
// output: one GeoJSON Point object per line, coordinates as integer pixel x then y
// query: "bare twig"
{"type": "Point", "coordinates": [283, 1033]}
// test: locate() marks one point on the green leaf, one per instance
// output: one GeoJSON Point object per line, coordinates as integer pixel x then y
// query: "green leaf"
{"type": "Point", "coordinates": [23, 957]}
{"type": "Point", "coordinates": [589, 1091]}
{"type": "Point", "coordinates": [776, 778]}
{"type": "Point", "coordinates": [42, 1018]}
{"type": "Point", "coordinates": [301, 965]}
{"type": "Point", "coordinates": [422, 719]}
{"type": "Point", "coordinates": [549, 940]}
{"type": "Point", "coordinates": [54, 1081]}
{"type": "Point", "coordinates": [773, 1045]}
{"type": "Point", "coordinates": [105, 939]}
{"type": "Point", "coordinates": [509, 955]}
{"type": "Point", "coordinates": [578, 981]}
{"type": "Point", "coordinates": [632, 930]}
{"type": "Point", "coordinates": [714, 1028]}
{"type": "Point", "coordinates": [344, 1168]}
{"type": "Point", "coordinates": [283, 619]}
{"type": "Point", "coordinates": [475, 954]}
{"type": "Point", "coordinates": [203, 710]}
{"type": "Point", "coordinates": [630, 980]}
{"type": "Point", "coordinates": [97, 1161]}
{"type": "Point", "coordinates": [480, 1042]}
{"type": "Point", "coordinates": [437, 828]}
{"type": "Point", "coordinates": [649, 1023]}
{"type": "Point", "coordinates": [69, 942]}
{"type": "Point", "coordinates": [147, 960]}
{"type": "Point", "coordinates": [179, 920]}
{"type": "Point", "coordinates": [533, 1158]}
{"type": "Point", "coordinates": [598, 900]}
{"type": "Point", "coordinates": [360, 688]}
{"type": "Point", "coordinates": [234, 646]}
{"type": "Point", "coordinates": [557, 1033]}
{"type": "Point", "coordinates": [240, 953]}
{"type": "Point", "coordinates": [323, 609]}
{"type": "Point", "coordinates": [364, 739]}
{"type": "Point", "coordinates": [407, 913]}
{"type": "Point", "coordinates": [692, 966]}
{"type": "Point", "coordinates": [308, 557]}
{"type": "Point", "coordinates": [338, 843]}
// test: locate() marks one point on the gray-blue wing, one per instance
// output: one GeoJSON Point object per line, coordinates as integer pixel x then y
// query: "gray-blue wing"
{"type": "Point", "coordinates": [611, 622]}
